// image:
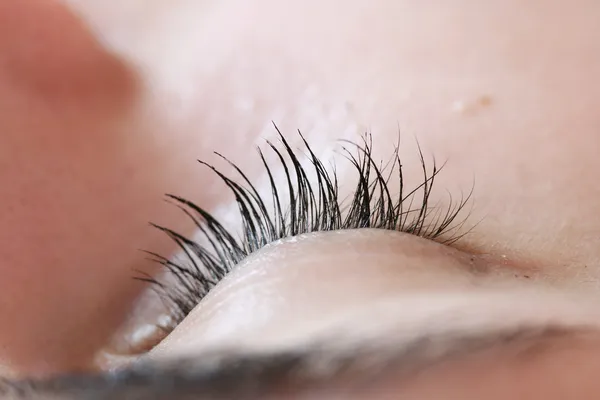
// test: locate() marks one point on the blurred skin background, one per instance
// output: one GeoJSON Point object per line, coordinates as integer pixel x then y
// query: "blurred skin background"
{"type": "Point", "coordinates": [105, 106]}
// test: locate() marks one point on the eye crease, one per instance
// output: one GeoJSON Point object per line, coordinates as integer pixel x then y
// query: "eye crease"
{"type": "Point", "coordinates": [314, 204]}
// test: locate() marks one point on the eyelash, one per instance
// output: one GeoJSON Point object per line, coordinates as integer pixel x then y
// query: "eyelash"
{"type": "Point", "coordinates": [313, 207]}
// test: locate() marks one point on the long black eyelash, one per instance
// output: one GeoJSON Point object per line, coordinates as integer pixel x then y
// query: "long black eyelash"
{"type": "Point", "coordinates": [314, 205]}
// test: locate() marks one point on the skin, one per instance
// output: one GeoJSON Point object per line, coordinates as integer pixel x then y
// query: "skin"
{"type": "Point", "coordinates": [260, 303]}
{"type": "Point", "coordinates": [105, 107]}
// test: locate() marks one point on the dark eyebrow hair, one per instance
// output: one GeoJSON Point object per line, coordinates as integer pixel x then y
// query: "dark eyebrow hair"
{"type": "Point", "coordinates": [283, 374]}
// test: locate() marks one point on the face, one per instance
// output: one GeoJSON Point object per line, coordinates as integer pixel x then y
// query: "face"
{"type": "Point", "coordinates": [106, 107]}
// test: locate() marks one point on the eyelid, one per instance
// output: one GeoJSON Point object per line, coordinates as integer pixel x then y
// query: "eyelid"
{"type": "Point", "coordinates": [315, 204]}
{"type": "Point", "coordinates": [256, 373]}
{"type": "Point", "coordinates": [146, 325]}
{"type": "Point", "coordinates": [535, 359]}
{"type": "Point", "coordinates": [489, 312]}
{"type": "Point", "coordinates": [286, 290]}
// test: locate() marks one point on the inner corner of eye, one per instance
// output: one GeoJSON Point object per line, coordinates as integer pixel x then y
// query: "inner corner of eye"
{"type": "Point", "coordinates": [148, 324]}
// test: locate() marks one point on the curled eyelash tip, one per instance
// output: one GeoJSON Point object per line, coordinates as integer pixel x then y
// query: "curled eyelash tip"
{"type": "Point", "coordinates": [314, 205]}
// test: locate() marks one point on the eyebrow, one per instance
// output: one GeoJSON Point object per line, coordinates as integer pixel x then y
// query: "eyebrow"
{"type": "Point", "coordinates": [279, 374]}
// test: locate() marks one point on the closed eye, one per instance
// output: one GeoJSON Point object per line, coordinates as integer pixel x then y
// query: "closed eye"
{"type": "Point", "coordinates": [308, 201]}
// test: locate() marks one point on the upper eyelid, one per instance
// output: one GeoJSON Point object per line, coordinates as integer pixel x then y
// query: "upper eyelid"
{"type": "Point", "coordinates": [315, 205]}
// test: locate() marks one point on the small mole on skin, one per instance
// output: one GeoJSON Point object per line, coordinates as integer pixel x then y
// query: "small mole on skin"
{"type": "Point", "coordinates": [471, 107]}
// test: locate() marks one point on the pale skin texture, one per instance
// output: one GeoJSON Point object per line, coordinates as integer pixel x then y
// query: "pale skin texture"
{"type": "Point", "coordinates": [105, 107]}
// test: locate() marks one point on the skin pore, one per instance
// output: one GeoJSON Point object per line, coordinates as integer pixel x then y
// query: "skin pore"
{"type": "Point", "coordinates": [106, 106]}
